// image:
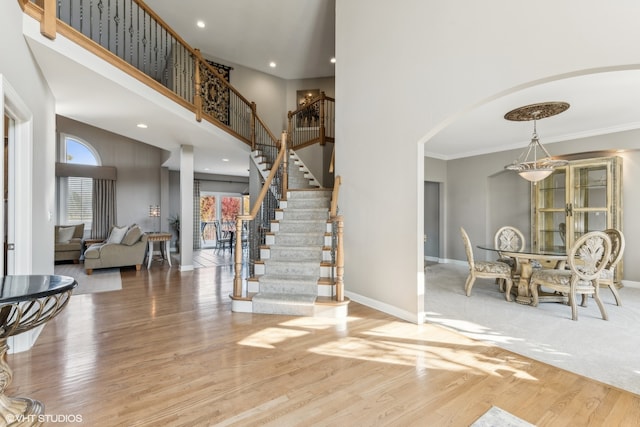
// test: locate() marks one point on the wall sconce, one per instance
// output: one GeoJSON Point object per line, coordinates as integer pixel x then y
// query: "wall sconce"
{"type": "Point", "coordinates": [154, 212]}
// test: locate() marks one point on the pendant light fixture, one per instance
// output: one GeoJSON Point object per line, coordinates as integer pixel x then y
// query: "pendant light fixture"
{"type": "Point", "coordinates": [535, 163]}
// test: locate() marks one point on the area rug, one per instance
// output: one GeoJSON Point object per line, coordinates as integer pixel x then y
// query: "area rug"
{"type": "Point", "coordinates": [496, 417]}
{"type": "Point", "coordinates": [102, 280]}
{"type": "Point", "coordinates": [606, 351]}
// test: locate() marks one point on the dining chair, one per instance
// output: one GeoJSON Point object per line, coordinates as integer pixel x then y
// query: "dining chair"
{"type": "Point", "coordinates": [223, 237]}
{"type": "Point", "coordinates": [509, 238]}
{"type": "Point", "coordinates": [587, 258]}
{"type": "Point", "coordinates": [485, 269]}
{"type": "Point", "coordinates": [617, 250]}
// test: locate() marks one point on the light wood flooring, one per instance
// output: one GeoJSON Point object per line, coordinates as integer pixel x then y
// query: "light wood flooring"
{"type": "Point", "coordinates": [166, 350]}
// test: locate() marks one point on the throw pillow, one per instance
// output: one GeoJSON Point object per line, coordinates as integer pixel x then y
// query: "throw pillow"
{"type": "Point", "coordinates": [117, 234]}
{"type": "Point", "coordinates": [133, 235]}
{"type": "Point", "coordinates": [65, 234]}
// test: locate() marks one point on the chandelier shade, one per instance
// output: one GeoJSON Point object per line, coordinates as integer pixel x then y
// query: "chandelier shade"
{"type": "Point", "coordinates": [535, 163]}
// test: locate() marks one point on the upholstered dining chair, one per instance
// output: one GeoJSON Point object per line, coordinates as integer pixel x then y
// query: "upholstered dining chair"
{"type": "Point", "coordinates": [509, 238]}
{"type": "Point", "coordinates": [617, 250]}
{"type": "Point", "coordinates": [485, 269]}
{"type": "Point", "coordinates": [586, 259]}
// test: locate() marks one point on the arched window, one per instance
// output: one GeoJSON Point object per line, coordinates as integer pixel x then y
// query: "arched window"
{"type": "Point", "coordinates": [76, 193]}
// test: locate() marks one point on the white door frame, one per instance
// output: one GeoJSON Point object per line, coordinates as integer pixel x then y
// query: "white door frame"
{"type": "Point", "coordinates": [20, 214]}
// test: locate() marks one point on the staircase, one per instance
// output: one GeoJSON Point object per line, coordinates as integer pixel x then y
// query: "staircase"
{"type": "Point", "coordinates": [293, 276]}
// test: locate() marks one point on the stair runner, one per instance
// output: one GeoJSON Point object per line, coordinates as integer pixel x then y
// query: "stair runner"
{"type": "Point", "coordinates": [289, 284]}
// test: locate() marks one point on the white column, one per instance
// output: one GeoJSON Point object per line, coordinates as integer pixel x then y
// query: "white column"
{"type": "Point", "coordinates": [186, 208]}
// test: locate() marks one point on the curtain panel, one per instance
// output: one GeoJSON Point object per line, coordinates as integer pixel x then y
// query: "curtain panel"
{"type": "Point", "coordinates": [196, 215]}
{"type": "Point", "coordinates": [104, 207]}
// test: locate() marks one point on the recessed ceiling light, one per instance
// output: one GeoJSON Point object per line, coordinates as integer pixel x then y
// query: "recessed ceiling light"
{"type": "Point", "coordinates": [272, 64]}
{"type": "Point", "coordinates": [142, 125]}
{"type": "Point", "coordinates": [201, 24]}
{"type": "Point", "coordinates": [225, 160]}
{"type": "Point", "coordinates": [207, 169]}
{"type": "Point", "coordinates": [333, 60]}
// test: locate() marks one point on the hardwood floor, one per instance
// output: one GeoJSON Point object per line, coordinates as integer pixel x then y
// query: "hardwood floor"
{"type": "Point", "coordinates": [167, 351]}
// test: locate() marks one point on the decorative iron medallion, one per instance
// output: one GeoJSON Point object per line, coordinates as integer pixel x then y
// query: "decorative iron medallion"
{"type": "Point", "coordinates": [536, 111]}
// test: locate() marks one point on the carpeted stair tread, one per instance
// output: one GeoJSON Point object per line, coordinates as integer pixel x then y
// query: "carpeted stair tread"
{"type": "Point", "coordinates": [301, 278]}
{"type": "Point", "coordinates": [289, 298]}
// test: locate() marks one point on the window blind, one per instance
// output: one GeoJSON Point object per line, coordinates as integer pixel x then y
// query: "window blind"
{"type": "Point", "coordinates": [79, 199]}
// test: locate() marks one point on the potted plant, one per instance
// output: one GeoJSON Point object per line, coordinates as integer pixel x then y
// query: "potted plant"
{"type": "Point", "coordinates": [174, 223]}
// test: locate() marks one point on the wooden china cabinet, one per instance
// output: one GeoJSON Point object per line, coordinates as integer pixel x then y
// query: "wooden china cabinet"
{"type": "Point", "coordinates": [575, 199]}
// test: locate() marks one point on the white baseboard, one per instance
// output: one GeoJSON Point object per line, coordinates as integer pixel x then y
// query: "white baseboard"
{"type": "Point", "coordinates": [386, 308]}
{"type": "Point", "coordinates": [627, 283]}
{"type": "Point", "coordinates": [631, 284]}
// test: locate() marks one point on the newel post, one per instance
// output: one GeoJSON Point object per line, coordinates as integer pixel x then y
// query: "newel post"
{"type": "Point", "coordinates": [237, 280]}
{"type": "Point", "coordinates": [285, 167]}
{"type": "Point", "coordinates": [322, 128]}
{"type": "Point", "coordinates": [48, 23]}
{"type": "Point", "coordinates": [339, 259]}
{"type": "Point", "coordinates": [197, 86]}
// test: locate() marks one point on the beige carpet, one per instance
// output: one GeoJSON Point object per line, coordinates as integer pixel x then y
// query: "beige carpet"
{"type": "Point", "coordinates": [102, 280]}
{"type": "Point", "coordinates": [496, 417]}
{"type": "Point", "coordinates": [606, 351]}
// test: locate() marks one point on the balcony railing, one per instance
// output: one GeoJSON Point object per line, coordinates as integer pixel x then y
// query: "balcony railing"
{"type": "Point", "coordinates": [312, 123]}
{"type": "Point", "coordinates": [129, 35]}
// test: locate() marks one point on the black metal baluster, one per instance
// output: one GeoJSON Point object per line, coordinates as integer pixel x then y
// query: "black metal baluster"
{"type": "Point", "coordinates": [130, 32]}
{"type": "Point", "coordinates": [91, 19]}
{"type": "Point", "coordinates": [108, 25]}
{"type": "Point", "coordinates": [155, 50]}
{"type": "Point", "coordinates": [100, 8]}
{"type": "Point", "coordinates": [144, 42]}
{"type": "Point", "coordinates": [116, 20]}
{"type": "Point", "coordinates": [81, 16]}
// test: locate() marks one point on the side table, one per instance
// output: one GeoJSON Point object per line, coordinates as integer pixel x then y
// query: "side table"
{"type": "Point", "coordinates": [164, 249]}
{"type": "Point", "coordinates": [89, 242]}
{"type": "Point", "coordinates": [26, 302]}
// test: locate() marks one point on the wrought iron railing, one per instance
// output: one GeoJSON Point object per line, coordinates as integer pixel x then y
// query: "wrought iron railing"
{"type": "Point", "coordinates": [312, 123]}
{"type": "Point", "coordinates": [258, 222]}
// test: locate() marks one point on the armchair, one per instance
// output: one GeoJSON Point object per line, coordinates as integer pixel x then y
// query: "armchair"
{"type": "Point", "coordinates": [68, 244]}
{"type": "Point", "coordinates": [129, 250]}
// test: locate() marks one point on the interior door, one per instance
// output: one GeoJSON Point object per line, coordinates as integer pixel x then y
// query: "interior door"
{"type": "Point", "coordinates": [432, 220]}
{"type": "Point", "coordinates": [8, 260]}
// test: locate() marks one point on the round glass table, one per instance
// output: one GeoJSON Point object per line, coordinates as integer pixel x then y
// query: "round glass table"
{"type": "Point", "coordinates": [26, 302]}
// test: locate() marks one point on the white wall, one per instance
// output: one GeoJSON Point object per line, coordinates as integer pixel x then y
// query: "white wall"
{"type": "Point", "coordinates": [402, 72]}
{"type": "Point", "coordinates": [20, 70]}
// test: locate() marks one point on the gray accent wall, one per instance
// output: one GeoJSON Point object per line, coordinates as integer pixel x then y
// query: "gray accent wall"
{"type": "Point", "coordinates": [138, 168]}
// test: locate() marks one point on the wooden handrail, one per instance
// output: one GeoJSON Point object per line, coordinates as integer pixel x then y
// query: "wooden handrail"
{"type": "Point", "coordinates": [267, 182]}
{"type": "Point", "coordinates": [237, 280]}
{"type": "Point", "coordinates": [334, 196]}
{"type": "Point", "coordinates": [337, 223]}
{"type": "Point", "coordinates": [271, 135]}
{"type": "Point", "coordinates": [318, 98]}
{"type": "Point", "coordinates": [339, 278]}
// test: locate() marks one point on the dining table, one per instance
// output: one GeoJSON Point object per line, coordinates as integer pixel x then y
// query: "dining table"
{"type": "Point", "coordinates": [524, 262]}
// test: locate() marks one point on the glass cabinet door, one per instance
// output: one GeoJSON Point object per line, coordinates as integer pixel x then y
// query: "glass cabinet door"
{"type": "Point", "coordinates": [550, 202]}
{"type": "Point", "coordinates": [590, 199]}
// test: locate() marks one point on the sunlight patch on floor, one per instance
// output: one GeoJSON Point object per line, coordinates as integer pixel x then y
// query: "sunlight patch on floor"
{"type": "Point", "coordinates": [416, 348]}
{"type": "Point", "coordinates": [269, 337]}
